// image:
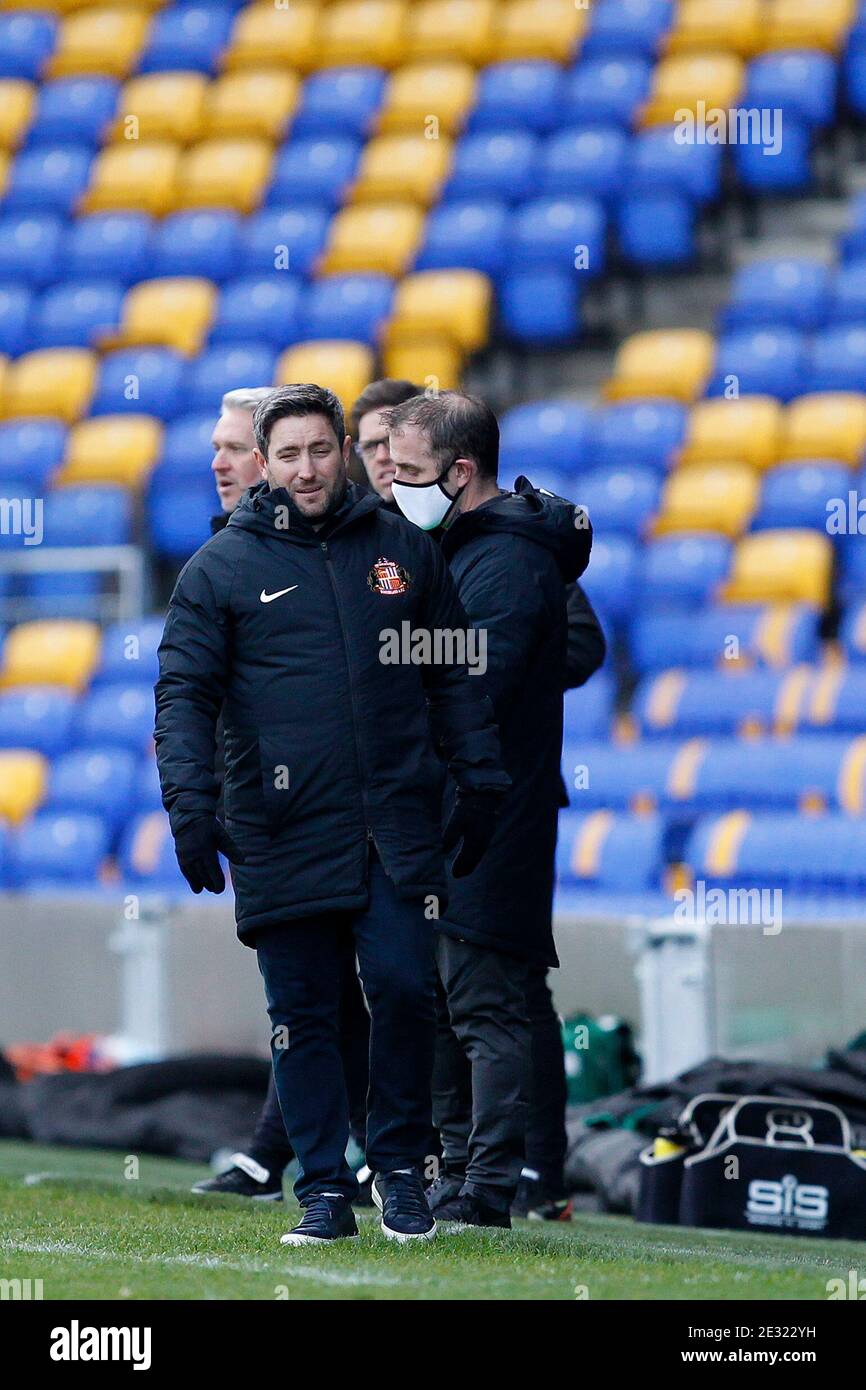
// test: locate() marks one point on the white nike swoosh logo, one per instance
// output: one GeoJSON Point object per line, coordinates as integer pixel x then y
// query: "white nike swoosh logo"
{"type": "Point", "coordinates": [269, 598]}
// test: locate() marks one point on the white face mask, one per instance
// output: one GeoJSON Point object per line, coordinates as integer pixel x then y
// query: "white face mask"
{"type": "Point", "coordinates": [424, 504]}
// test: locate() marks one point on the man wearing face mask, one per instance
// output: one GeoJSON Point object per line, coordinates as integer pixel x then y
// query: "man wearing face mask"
{"type": "Point", "coordinates": [511, 555]}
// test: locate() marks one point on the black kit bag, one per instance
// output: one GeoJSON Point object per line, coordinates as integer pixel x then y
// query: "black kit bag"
{"type": "Point", "coordinates": [796, 1173]}
{"type": "Point", "coordinates": [662, 1164]}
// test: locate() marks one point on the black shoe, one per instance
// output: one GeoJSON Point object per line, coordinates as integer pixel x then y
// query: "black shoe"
{"type": "Point", "coordinates": [444, 1189]}
{"type": "Point", "coordinates": [532, 1201]}
{"type": "Point", "coordinates": [467, 1210]}
{"type": "Point", "coordinates": [401, 1200]}
{"type": "Point", "coordinates": [327, 1216]}
{"type": "Point", "coordinates": [245, 1178]}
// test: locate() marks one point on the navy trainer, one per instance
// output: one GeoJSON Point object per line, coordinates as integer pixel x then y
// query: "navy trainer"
{"type": "Point", "coordinates": [327, 1216]}
{"type": "Point", "coordinates": [405, 1214]}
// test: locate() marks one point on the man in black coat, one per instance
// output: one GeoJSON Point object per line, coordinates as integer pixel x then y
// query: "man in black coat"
{"type": "Point", "coordinates": [512, 556]}
{"type": "Point", "coordinates": [332, 819]}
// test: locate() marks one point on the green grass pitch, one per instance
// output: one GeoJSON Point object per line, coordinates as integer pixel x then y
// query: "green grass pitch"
{"type": "Point", "coordinates": [72, 1219]}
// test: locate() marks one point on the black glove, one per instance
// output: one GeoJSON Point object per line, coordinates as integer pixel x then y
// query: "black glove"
{"type": "Point", "coordinates": [196, 848]}
{"type": "Point", "coordinates": [473, 822]}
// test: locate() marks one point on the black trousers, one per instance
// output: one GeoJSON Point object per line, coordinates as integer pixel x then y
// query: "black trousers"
{"type": "Point", "coordinates": [499, 1089]}
{"type": "Point", "coordinates": [303, 964]}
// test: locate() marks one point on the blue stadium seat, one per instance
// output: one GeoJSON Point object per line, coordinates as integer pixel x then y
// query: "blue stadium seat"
{"type": "Point", "coordinates": [766, 773]}
{"type": "Point", "coordinates": [853, 243]}
{"type": "Point", "coordinates": [37, 717]}
{"type": "Point", "coordinates": [129, 652]}
{"type": "Point", "coordinates": [619, 499]}
{"type": "Point", "coordinates": [587, 712]}
{"type": "Point", "coordinates": [88, 515]}
{"type": "Point", "coordinates": [787, 292]}
{"type": "Point", "coordinates": [836, 360]}
{"type": "Point", "coordinates": [340, 101]}
{"type": "Point", "coordinates": [611, 577]}
{"type": "Point", "coordinates": [658, 163]}
{"type": "Point", "coordinates": [785, 169]}
{"type": "Point", "coordinates": [147, 857]}
{"type": "Point", "coordinates": [617, 777]}
{"type": "Point", "coordinates": [657, 230]}
{"type": "Point", "coordinates": [628, 855]}
{"type": "Point", "coordinates": [116, 244]}
{"type": "Point", "coordinates": [762, 361]}
{"type": "Point", "coordinates": [59, 848]}
{"type": "Point", "coordinates": [31, 450]}
{"type": "Point", "coordinates": [26, 41]}
{"type": "Point", "coordinates": [116, 715]}
{"type": "Point", "coordinates": [557, 233]}
{"type": "Point", "coordinates": [707, 702]}
{"type": "Point", "coordinates": [683, 570]}
{"type": "Point", "coordinates": [641, 432]}
{"type": "Point", "coordinates": [590, 162]}
{"type": "Point", "coordinates": [525, 94]}
{"type": "Point", "coordinates": [75, 313]}
{"type": "Point", "coordinates": [49, 178]}
{"type": "Point", "coordinates": [605, 91]}
{"type": "Point", "coordinates": [840, 707]}
{"type": "Point", "coordinates": [495, 164]}
{"type": "Point", "coordinates": [140, 381]}
{"type": "Point", "coordinates": [541, 308]}
{"type": "Point", "coordinates": [266, 308]}
{"type": "Point", "coordinates": [204, 243]}
{"type": "Point", "coordinates": [188, 38]}
{"type": "Point", "coordinates": [270, 237]}
{"type": "Point", "coordinates": [800, 82]}
{"type": "Point", "coordinates": [74, 110]}
{"type": "Point", "coordinates": [224, 368]}
{"type": "Point", "coordinates": [627, 27]}
{"type": "Point", "coordinates": [95, 781]}
{"type": "Point", "coordinates": [15, 305]}
{"type": "Point", "coordinates": [852, 633]}
{"type": "Point", "coordinates": [817, 854]}
{"type": "Point", "coordinates": [64, 594]}
{"type": "Point", "coordinates": [465, 234]}
{"type": "Point", "coordinates": [551, 434]}
{"type": "Point", "coordinates": [187, 451]}
{"type": "Point", "coordinates": [703, 638]}
{"type": "Point", "coordinates": [320, 169]}
{"type": "Point", "coordinates": [353, 307]}
{"type": "Point", "coordinates": [847, 296]}
{"type": "Point", "coordinates": [179, 513]}
{"type": "Point", "coordinates": [796, 494]}
{"type": "Point", "coordinates": [30, 248]}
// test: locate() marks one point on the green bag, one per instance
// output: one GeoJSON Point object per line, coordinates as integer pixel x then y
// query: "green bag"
{"type": "Point", "coordinates": [600, 1059]}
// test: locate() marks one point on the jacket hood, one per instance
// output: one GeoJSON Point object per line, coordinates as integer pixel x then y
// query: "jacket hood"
{"type": "Point", "coordinates": [257, 511]}
{"type": "Point", "coordinates": [559, 526]}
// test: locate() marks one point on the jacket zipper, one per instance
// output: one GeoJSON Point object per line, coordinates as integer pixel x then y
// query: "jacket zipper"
{"type": "Point", "coordinates": [330, 568]}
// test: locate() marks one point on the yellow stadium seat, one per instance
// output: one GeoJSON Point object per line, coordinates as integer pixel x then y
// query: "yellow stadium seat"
{"type": "Point", "coordinates": [161, 106]}
{"type": "Point", "coordinates": [354, 32]}
{"type": "Point", "coordinates": [5, 167]}
{"type": "Point", "coordinates": [52, 381]}
{"type": "Point", "coordinates": [23, 775]}
{"type": "Point", "coordinates": [826, 424]}
{"type": "Point", "coordinates": [118, 449]}
{"type": "Point", "coordinates": [402, 166]}
{"type": "Point", "coordinates": [225, 173]}
{"type": "Point", "coordinates": [717, 497]}
{"type": "Point", "coordinates": [703, 25]}
{"type": "Point", "coordinates": [246, 103]}
{"type": "Point", "coordinates": [344, 367]}
{"type": "Point", "coordinates": [808, 23]}
{"type": "Point", "coordinates": [434, 362]}
{"type": "Point", "coordinates": [452, 303]}
{"type": "Point", "coordinates": [460, 29]}
{"type": "Point", "coordinates": [16, 109]}
{"type": "Point", "coordinates": [140, 177]}
{"type": "Point", "coordinates": [749, 429]}
{"type": "Point", "coordinates": [422, 92]}
{"type": "Point", "coordinates": [713, 79]}
{"type": "Point", "coordinates": [4, 377]}
{"type": "Point", "coordinates": [107, 41]}
{"type": "Point", "coordinates": [49, 652]}
{"type": "Point", "coordinates": [174, 311]}
{"type": "Point", "coordinates": [781, 566]}
{"type": "Point", "coordinates": [264, 36]}
{"type": "Point", "coordinates": [538, 29]}
{"type": "Point", "coordinates": [674, 362]}
{"type": "Point", "coordinates": [373, 236]}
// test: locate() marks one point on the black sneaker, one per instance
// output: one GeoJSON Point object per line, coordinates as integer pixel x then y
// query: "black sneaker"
{"type": "Point", "coordinates": [401, 1200]}
{"type": "Point", "coordinates": [245, 1178]}
{"type": "Point", "coordinates": [327, 1216]}
{"type": "Point", "coordinates": [468, 1210]}
{"type": "Point", "coordinates": [533, 1202]}
{"type": "Point", "coordinates": [444, 1189]}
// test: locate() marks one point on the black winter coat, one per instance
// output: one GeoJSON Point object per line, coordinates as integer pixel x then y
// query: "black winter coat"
{"type": "Point", "coordinates": [327, 749]}
{"type": "Point", "coordinates": [511, 559]}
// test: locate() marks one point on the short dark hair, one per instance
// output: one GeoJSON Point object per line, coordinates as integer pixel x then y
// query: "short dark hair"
{"type": "Point", "coordinates": [303, 399]}
{"type": "Point", "coordinates": [455, 426]}
{"type": "Point", "coordinates": [378, 395]}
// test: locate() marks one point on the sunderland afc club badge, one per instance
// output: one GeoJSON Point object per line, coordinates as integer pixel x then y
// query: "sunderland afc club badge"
{"type": "Point", "coordinates": [387, 577]}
